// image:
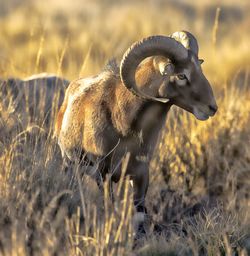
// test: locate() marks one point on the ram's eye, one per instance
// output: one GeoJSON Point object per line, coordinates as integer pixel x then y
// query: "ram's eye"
{"type": "Point", "coordinates": [181, 76]}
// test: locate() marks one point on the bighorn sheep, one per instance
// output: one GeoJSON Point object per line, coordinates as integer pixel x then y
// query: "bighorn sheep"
{"type": "Point", "coordinates": [125, 112]}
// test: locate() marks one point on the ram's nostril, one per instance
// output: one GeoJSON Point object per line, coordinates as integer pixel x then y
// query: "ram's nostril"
{"type": "Point", "coordinates": [213, 108]}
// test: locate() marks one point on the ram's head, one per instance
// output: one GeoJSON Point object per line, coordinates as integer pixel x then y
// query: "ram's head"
{"type": "Point", "coordinates": [180, 78]}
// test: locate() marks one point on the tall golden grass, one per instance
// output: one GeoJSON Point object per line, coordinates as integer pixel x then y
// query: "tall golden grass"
{"type": "Point", "coordinates": [198, 198]}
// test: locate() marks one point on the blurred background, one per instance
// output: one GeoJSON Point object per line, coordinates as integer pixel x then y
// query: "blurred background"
{"type": "Point", "coordinates": [77, 38]}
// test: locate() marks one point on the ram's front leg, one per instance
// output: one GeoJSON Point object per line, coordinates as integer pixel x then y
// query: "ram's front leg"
{"type": "Point", "coordinates": [140, 181]}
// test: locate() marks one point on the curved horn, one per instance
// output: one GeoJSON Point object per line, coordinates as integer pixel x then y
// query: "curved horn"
{"type": "Point", "coordinates": [187, 40]}
{"type": "Point", "coordinates": [150, 46]}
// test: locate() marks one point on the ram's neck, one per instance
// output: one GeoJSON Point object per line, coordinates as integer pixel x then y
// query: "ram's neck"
{"type": "Point", "coordinates": [124, 108]}
{"type": "Point", "coordinates": [150, 120]}
{"type": "Point", "coordinates": [131, 114]}
{"type": "Point", "coordinates": [140, 122]}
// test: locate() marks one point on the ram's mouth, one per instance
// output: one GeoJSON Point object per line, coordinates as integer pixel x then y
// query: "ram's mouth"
{"type": "Point", "coordinates": [200, 115]}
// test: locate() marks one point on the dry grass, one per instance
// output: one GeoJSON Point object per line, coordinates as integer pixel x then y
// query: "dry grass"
{"type": "Point", "coordinates": [200, 181]}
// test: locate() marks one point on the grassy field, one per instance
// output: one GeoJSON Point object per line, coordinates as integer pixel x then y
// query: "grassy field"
{"type": "Point", "coordinates": [199, 195]}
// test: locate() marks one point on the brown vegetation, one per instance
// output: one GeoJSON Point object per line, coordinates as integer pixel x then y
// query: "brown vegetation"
{"type": "Point", "coordinates": [198, 199]}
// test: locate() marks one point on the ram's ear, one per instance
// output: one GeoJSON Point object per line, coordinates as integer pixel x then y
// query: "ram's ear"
{"type": "Point", "coordinates": [201, 61]}
{"type": "Point", "coordinates": [164, 65]}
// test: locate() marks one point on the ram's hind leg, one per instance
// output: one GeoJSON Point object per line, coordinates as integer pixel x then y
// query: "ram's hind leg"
{"type": "Point", "coordinates": [140, 186]}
